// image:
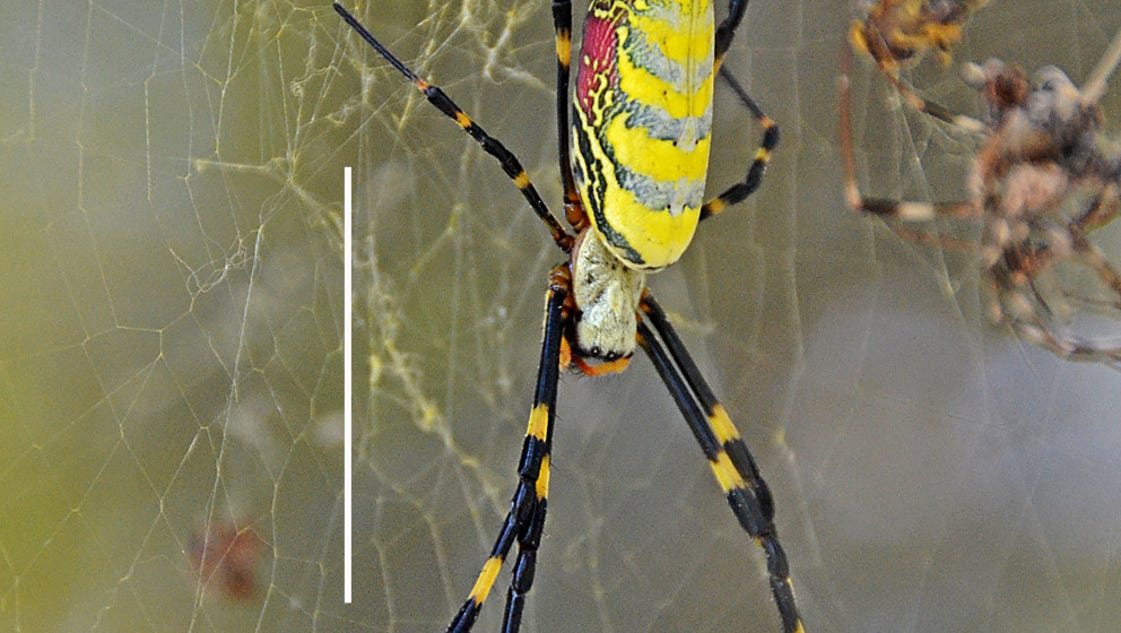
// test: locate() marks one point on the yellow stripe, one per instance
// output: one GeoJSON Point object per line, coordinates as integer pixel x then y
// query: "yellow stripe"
{"type": "Point", "coordinates": [683, 34]}
{"type": "Point", "coordinates": [722, 425]}
{"type": "Point", "coordinates": [659, 238]}
{"type": "Point", "coordinates": [538, 422]}
{"type": "Point", "coordinates": [486, 580]}
{"type": "Point", "coordinates": [543, 479]}
{"type": "Point", "coordinates": [691, 99]}
{"type": "Point", "coordinates": [521, 180]}
{"type": "Point", "coordinates": [564, 47]}
{"type": "Point", "coordinates": [726, 473]}
{"type": "Point", "coordinates": [661, 159]}
{"type": "Point", "coordinates": [462, 119]}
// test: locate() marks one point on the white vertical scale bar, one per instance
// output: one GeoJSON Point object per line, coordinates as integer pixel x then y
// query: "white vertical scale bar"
{"type": "Point", "coordinates": [348, 381]}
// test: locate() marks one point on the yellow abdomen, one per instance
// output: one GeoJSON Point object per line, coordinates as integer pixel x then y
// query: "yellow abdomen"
{"type": "Point", "coordinates": [641, 130]}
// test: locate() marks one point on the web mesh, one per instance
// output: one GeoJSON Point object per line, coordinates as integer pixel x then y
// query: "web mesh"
{"type": "Point", "coordinates": [171, 362]}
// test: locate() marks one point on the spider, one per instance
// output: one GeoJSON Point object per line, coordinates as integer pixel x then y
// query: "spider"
{"type": "Point", "coordinates": [1044, 178]}
{"type": "Point", "coordinates": [898, 33]}
{"type": "Point", "coordinates": [633, 183]}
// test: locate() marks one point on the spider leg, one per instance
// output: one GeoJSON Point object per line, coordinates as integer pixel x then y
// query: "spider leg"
{"type": "Point", "coordinates": [562, 26]}
{"type": "Point", "coordinates": [526, 518]}
{"type": "Point", "coordinates": [727, 454]}
{"type": "Point", "coordinates": [1038, 331]}
{"type": "Point", "coordinates": [1101, 213]}
{"type": "Point", "coordinates": [1096, 84]}
{"type": "Point", "coordinates": [437, 97]}
{"type": "Point", "coordinates": [737, 192]}
{"type": "Point", "coordinates": [939, 31]}
{"type": "Point", "coordinates": [1096, 259]}
{"type": "Point", "coordinates": [931, 108]}
{"type": "Point", "coordinates": [1036, 327]}
{"type": "Point", "coordinates": [727, 30]}
{"type": "Point", "coordinates": [894, 211]}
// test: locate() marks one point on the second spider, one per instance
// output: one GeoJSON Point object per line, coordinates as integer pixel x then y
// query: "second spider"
{"type": "Point", "coordinates": [1045, 177]}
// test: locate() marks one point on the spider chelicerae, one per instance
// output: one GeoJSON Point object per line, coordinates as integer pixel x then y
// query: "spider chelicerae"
{"type": "Point", "coordinates": [1044, 178]}
{"type": "Point", "coordinates": [633, 178]}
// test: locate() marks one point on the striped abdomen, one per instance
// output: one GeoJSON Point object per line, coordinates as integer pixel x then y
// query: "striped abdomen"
{"type": "Point", "coordinates": [643, 112]}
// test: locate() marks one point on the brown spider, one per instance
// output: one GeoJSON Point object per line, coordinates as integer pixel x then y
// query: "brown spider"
{"type": "Point", "coordinates": [1045, 177]}
{"type": "Point", "coordinates": [897, 34]}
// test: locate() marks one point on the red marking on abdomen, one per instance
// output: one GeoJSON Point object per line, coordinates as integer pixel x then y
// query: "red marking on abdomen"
{"type": "Point", "coordinates": [597, 69]}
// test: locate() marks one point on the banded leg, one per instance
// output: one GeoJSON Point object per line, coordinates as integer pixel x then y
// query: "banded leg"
{"type": "Point", "coordinates": [726, 31]}
{"type": "Point", "coordinates": [895, 210]}
{"type": "Point", "coordinates": [526, 518]}
{"type": "Point", "coordinates": [737, 192]}
{"type": "Point", "coordinates": [897, 34]}
{"type": "Point", "coordinates": [510, 163]}
{"type": "Point", "coordinates": [1012, 282]}
{"type": "Point", "coordinates": [562, 27]}
{"type": "Point", "coordinates": [727, 454]}
{"type": "Point", "coordinates": [931, 108]}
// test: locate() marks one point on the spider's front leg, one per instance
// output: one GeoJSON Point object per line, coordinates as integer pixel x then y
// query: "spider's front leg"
{"type": "Point", "coordinates": [728, 455]}
{"type": "Point", "coordinates": [526, 518]}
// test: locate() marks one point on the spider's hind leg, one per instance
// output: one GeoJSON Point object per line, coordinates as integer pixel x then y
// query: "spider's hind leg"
{"type": "Point", "coordinates": [491, 145]}
{"type": "Point", "coordinates": [741, 190]}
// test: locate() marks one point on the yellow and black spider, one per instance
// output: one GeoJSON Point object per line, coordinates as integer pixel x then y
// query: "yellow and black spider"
{"type": "Point", "coordinates": [634, 180]}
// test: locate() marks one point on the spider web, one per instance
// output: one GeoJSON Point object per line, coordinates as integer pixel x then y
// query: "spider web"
{"type": "Point", "coordinates": [171, 358]}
